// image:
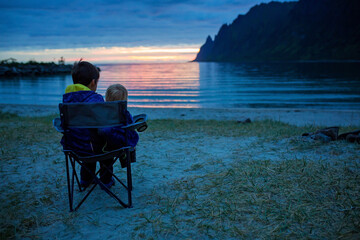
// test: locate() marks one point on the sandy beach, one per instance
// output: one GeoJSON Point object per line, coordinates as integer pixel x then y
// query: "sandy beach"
{"type": "Point", "coordinates": [298, 117]}
{"type": "Point", "coordinates": [168, 158]}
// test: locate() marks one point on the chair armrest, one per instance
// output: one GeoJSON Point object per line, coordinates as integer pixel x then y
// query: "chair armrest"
{"type": "Point", "coordinates": [139, 123]}
{"type": "Point", "coordinates": [140, 117]}
{"type": "Point", "coordinates": [57, 125]}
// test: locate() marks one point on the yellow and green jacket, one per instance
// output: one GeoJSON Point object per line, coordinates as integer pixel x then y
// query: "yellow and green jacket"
{"type": "Point", "coordinates": [81, 141]}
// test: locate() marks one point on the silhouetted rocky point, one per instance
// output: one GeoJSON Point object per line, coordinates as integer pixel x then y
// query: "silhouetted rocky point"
{"type": "Point", "coordinates": [289, 31]}
{"type": "Point", "coordinates": [26, 69]}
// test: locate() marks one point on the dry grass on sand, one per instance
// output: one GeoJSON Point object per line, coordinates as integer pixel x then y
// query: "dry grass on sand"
{"type": "Point", "coordinates": [192, 179]}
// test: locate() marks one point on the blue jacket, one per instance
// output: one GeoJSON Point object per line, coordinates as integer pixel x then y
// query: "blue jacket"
{"type": "Point", "coordinates": [115, 136]}
{"type": "Point", "coordinates": [82, 141]}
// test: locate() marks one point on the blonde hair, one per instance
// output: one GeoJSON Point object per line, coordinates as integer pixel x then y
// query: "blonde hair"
{"type": "Point", "coordinates": [116, 92]}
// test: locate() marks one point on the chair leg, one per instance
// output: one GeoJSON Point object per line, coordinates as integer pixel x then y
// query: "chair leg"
{"type": "Point", "coordinates": [84, 198]}
{"type": "Point", "coordinates": [129, 180]}
{"type": "Point", "coordinates": [72, 161]}
{"type": "Point", "coordinates": [71, 182]}
{"type": "Point", "coordinates": [102, 185]}
{"type": "Point", "coordinates": [68, 183]}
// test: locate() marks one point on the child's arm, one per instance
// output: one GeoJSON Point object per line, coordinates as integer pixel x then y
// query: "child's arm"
{"type": "Point", "coordinates": [133, 136]}
{"type": "Point", "coordinates": [115, 136]}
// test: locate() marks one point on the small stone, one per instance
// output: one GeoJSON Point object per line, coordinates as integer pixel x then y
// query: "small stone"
{"type": "Point", "coordinates": [322, 137]}
{"type": "Point", "coordinates": [351, 138]}
{"type": "Point", "coordinates": [344, 135]}
{"type": "Point", "coordinates": [324, 134]}
{"type": "Point", "coordinates": [248, 120]}
{"type": "Point", "coordinates": [331, 132]}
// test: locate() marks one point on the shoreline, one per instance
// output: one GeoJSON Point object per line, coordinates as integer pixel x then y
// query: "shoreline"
{"type": "Point", "coordinates": [298, 117]}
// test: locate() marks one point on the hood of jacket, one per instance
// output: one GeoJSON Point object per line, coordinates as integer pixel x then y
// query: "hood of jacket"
{"type": "Point", "coordinates": [81, 140]}
{"type": "Point", "coordinates": [80, 93]}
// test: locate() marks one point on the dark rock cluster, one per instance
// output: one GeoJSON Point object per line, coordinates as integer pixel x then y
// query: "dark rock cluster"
{"type": "Point", "coordinates": [324, 135]}
{"type": "Point", "coordinates": [350, 136]}
{"type": "Point", "coordinates": [331, 134]}
{"type": "Point", "coordinates": [22, 69]}
{"type": "Point", "coordinates": [246, 120]}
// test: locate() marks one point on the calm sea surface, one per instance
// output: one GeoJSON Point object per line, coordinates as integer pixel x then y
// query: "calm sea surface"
{"type": "Point", "coordinates": [209, 85]}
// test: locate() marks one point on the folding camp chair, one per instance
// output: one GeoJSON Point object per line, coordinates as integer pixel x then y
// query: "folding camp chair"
{"type": "Point", "coordinates": [94, 116]}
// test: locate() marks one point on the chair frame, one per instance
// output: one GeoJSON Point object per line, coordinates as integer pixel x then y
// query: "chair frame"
{"type": "Point", "coordinates": [71, 158]}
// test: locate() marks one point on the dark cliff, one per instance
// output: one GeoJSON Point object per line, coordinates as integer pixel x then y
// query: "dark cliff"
{"type": "Point", "coordinates": [304, 30]}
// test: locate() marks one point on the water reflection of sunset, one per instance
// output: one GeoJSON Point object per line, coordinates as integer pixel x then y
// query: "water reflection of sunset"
{"type": "Point", "coordinates": [166, 93]}
{"type": "Point", "coordinates": [208, 85]}
{"type": "Point", "coordinates": [160, 85]}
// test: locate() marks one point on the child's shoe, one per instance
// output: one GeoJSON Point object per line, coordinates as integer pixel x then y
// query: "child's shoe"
{"type": "Point", "coordinates": [109, 185]}
{"type": "Point", "coordinates": [84, 184]}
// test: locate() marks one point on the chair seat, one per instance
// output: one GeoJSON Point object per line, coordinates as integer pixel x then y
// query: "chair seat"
{"type": "Point", "coordinates": [99, 157]}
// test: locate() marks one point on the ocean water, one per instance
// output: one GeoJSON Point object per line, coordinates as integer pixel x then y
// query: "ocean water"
{"type": "Point", "coordinates": [209, 85]}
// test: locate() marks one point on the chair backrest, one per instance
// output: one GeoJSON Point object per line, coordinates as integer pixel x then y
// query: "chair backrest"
{"type": "Point", "coordinates": [93, 115]}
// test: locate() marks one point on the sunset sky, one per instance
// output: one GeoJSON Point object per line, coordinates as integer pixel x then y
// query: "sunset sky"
{"type": "Point", "coordinates": [112, 31]}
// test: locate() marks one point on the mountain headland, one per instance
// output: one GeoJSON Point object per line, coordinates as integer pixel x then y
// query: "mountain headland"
{"type": "Point", "coordinates": [306, 30]}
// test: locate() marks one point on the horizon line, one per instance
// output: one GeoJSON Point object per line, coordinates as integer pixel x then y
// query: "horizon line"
{"type": "Point", "coordinates": [103, 55]}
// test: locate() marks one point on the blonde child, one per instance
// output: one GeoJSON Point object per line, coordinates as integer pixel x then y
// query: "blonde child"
{"type": "Point", "coordinates": [115, 136]}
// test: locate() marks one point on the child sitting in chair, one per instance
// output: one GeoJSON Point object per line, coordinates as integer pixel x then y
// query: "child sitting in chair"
{"type": "Point", "coordinates": [115, 136]}
{"type": "Point", "coordinates": [86, 142]}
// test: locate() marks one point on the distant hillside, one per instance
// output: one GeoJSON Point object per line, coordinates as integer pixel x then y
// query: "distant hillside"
{"type": "Point", "coordinates": [303, 30]}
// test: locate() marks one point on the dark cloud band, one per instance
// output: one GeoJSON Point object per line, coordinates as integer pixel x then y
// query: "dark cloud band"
{"type": "Point", "coordinates": [64, 23]}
